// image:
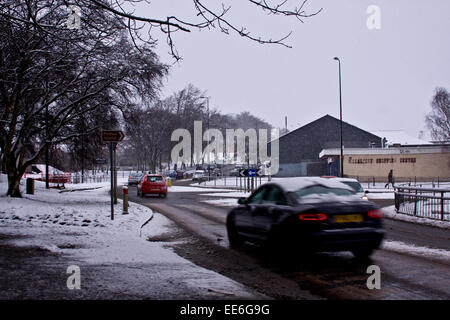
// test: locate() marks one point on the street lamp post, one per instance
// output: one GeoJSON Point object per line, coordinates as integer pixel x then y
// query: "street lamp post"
{"type": "Point", "coordinates": [341, 163]}
{"type": "Point", "coordinates": [207, 124]}
{"type": "Point", "coordinates": [47, 184]}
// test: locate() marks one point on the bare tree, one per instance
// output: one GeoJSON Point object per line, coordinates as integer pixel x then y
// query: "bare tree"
{"type": "Point", "coordinates": [149, 130]}
{"type": "Point", "coordinates": [438, 120]}
{"type": "Point", "coordinates": [49, 78]}
{"type": "Point", "coordinates": [204, 15]}
{"type": "Point", "coordinates": [148, 135]}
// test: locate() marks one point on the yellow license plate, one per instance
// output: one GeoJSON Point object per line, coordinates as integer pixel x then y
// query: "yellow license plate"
{"type": "Point", "coordinates": [346, 218]}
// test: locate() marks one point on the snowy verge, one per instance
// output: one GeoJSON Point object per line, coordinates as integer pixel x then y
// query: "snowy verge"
{"type": "Point", "coordinates": [410, 249]}
{"type": "Point", "coordinates": [389, 212]}
{"type": "Point", "coordinates": [78, 226]}
{"type": "Point", "coordinates": [227, 203]}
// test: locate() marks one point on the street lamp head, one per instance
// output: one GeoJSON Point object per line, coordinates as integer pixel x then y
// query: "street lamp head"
{"type": "Point", "coordinates": [336, 58]}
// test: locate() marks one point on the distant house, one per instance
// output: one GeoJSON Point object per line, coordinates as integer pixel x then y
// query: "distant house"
{"type": "Point", "coordinates": [299, 149]}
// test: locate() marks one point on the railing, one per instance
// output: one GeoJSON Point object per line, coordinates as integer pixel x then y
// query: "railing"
{"type": "Point", "coordinates": [431, 203]}
{"type": "Point", "coordinates": [78, 178]}
{"type": "Point", "coordinates": [57, 178]}
{"type": "Point", "coordinates": [240, 183]}
{"type": "Point", "coordinates": [372, 182]}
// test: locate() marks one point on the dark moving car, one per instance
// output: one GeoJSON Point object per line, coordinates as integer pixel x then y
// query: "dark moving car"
{"type": "Point", "coordinates": [307, 214]}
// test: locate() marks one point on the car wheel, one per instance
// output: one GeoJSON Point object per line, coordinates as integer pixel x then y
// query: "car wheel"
{"type": "Point", "coordinates": [233, 237]}
{"type": "Point", "coordinates": [362, 254]}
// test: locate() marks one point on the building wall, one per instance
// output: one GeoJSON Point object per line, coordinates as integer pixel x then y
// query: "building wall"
{"type": "Point", "coordinates": [301, 169]}
{"type": "Point", "coordinates": [292, 170]}
{"type": "Point", "coordinates": [420, 165]}
{"type": "Point", "coordinates": [305, 143]}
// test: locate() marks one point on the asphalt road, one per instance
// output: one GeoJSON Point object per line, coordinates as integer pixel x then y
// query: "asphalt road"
{"type": "Point", "coordinates": [324, 275]}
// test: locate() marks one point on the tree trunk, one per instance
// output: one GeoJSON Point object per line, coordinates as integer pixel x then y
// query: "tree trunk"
{"type": "Point", "coordinates": [14, 176]}
{"type": "Point", "coordinates": [14, 185]}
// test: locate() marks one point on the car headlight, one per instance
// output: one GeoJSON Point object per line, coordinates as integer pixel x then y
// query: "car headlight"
{"type": "Point", "coordinates": [365, 198]}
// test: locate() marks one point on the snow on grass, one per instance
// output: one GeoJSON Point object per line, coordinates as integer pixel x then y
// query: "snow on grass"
{"type": "Point", "coordinates": [390, 212]}
{"type": "Point", "coordinates": [410, 249]}
{"type": "Point", "coordinates": [380, 195]}
{"type": "Point", "coordinates": [231, 194]}
{"type": "Point", "coordinates": [78, 225]}
{"type": "Point", "coordinates": [228, 203]}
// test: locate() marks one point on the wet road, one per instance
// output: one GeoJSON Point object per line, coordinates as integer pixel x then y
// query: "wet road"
{"type": "Point", "coordinates": [333, 276]}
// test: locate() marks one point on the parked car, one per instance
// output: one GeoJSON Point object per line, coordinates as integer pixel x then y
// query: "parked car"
{"type": "Point", "coordinates": [355, 185]}
{"type": "Point", "coordinates": [152, 184]}
{"type": "Point", "coordinates": [176, 174]}
{"type": "Point", "coordinates": [307, 214]}
{"type": "Point", "coordinates": [189, 173]}
{"type": "Point", "coordinates": [179, 174]}
{"type": "Point", "coordinates": [172, 173]}
{"type": "Point", "coordinates": [134, 178]}
{"type": "Point", "coordinates": [198, 175]}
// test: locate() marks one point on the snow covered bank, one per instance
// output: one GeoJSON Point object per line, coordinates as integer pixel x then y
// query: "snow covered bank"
{"type": "Point", "coordinates": [78, 226]}
{"type": "Point", "coordinates": [410, 249]}
{"type": "Point", "coordinates": [227, 203]}
{"type": "Point", "coordinates": [390, 212]}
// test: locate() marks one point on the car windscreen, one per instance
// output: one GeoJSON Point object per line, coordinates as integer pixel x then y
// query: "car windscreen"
{"type": "Point", "coordinates": [154, 179]}
{"type": "Point", "coordinates": [320, 193]}
{"type": "Point", "coordinates": [354, 185]}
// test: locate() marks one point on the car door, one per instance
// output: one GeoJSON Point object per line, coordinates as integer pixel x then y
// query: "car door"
{"type": "Point", "coordinates": [268, 213]}
{"type": "Point", "coordinates": [244, 213]}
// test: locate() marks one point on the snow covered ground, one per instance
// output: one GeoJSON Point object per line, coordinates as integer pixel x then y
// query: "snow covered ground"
{"type": "Point", "coordinates": [410, 249]}
{"type": "Point", "coordinates": [78, 225]}
{"type": "Point", "coordinates": [390, 212]}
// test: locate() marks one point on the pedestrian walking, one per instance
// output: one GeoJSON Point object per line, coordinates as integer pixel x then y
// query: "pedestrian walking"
{"type": "Point", "coordinates": [390, 179]}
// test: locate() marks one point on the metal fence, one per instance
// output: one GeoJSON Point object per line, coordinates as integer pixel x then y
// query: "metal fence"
{"type": "Point", "coordinates": [376, 182]}
{"type": "Point", "coordinates": [243, 184]}
{"type": "Point", "coordinates": [78, 178]}
{"type": "Point", "coordinates": [431, 203]}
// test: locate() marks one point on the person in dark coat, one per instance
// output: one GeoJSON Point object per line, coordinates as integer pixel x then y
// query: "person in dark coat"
{"type": "Point", "coordinates": [390, 179]}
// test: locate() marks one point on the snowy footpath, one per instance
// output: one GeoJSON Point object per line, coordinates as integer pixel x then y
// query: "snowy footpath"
{"type": "Point", "coordinates": [114, 255]}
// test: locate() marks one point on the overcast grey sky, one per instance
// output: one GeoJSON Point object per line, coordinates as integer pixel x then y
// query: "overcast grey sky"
{"type": "Point", "coordinates": [388, 75]}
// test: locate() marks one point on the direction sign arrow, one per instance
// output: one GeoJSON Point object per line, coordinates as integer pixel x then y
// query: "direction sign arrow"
{"type": "Point", "coordinates": [242, 173]}
{"type": "Point", "coordinates": [112, 135]}
{"type": "Point", "coordinates": [251, 172]}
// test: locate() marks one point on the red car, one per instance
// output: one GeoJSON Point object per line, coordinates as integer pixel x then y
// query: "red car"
{"type": "Point", "coordinates": [152, 184]}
